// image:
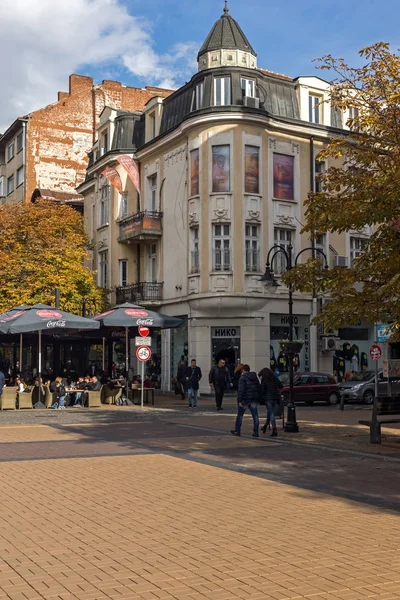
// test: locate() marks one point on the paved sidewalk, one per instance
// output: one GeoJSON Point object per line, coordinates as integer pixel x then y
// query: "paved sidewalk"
{"type": "Point", "coordinates": [135, 506]}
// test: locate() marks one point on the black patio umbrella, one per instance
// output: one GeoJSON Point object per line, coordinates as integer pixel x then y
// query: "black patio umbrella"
{"type": "Point", "coordinates": [4, 328]}
{"type": "Point", "coordinates": [41, 317]}
{"type": "Point", "coordinates": [130, 315]}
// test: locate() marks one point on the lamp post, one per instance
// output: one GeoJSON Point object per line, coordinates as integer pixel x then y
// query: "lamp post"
{"type": "Point", "coordinates": [268, 278]}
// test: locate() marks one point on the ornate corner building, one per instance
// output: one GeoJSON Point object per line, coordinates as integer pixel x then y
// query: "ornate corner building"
{"type": "Point", "coordinates": [184, 199]}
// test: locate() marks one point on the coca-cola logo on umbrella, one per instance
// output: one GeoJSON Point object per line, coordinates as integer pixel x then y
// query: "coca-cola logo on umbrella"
{"type": "Point", "coordinates": [49, 314]}
{"type": "Point", "coordinates": [18, 314]}
{"type": "Point", "coordinates": [109, 312]}
{"type": "Point", "coordinates": [136, 312]}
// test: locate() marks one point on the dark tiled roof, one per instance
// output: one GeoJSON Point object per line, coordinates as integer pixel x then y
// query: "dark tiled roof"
{"type": "Point", "coordinates": [227, 34]}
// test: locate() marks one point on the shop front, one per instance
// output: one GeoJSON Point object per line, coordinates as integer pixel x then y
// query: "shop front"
{"type": "Point", "coordinates": [353, 354]}
{"type": "Point", "coordinates": [225, 344]}
{"type": "Point", "coordinates": [280, 330]}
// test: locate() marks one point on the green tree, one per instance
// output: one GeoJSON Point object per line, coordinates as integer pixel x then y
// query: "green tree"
{"type": "Point", "coordinates": [361, 188]}
{"type": "Point", "coordinates": [43, 247]}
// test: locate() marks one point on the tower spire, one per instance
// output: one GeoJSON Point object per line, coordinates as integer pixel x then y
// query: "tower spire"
{"type": "Point", "coordinates": [226, 9]}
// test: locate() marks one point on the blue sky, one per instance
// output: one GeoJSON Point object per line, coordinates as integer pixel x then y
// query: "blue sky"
{"type": "Point", "coordinates": [286, 35]}
{"type": "Point", "coordinates": [156, 42]}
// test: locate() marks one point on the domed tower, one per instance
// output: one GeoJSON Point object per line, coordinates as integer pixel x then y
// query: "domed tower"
{"type": "Point", "coordinates": [226, 46]}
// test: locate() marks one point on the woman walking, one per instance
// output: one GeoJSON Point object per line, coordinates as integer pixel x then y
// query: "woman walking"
{"type": "Point", "coordinates": [270, 393]}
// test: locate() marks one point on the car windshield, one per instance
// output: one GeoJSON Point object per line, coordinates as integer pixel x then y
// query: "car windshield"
{"type": "Point", "coordinates": [364, 376]}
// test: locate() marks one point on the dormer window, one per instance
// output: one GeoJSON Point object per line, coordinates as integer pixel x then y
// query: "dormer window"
{"type": "Point", "coordinates": [222, 91]}
{"type": "Point", "coordinates": [199, 93]}
{"type": "Point", "coordinates": [248, 87]}
{"type": "Point", "coordinates": [315, 108]}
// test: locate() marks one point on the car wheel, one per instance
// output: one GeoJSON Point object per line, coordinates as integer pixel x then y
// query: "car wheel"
{"type": "Point", "coordinates": [333, 399]}
{"type": "Point", "coordinates": [309, 402]}
{"type": "Point", "coordinates": [285, 398]}
{"type": "Point", "coordinates": [369, 397]}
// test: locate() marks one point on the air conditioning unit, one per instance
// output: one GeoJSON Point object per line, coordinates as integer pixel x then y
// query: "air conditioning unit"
{"type": "Point", "coordinates": [341, 261]}
{"type": "Point", "coordinates": [251, 102]}
{"type": "Point", "coordinates": [330, 343]}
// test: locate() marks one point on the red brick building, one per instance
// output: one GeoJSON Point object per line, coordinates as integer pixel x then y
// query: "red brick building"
{"type": "Point", "coordinates": [47, 149]}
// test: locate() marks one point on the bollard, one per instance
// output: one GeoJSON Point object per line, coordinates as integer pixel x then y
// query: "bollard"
{"type": "Point", "coordinates": [375, 432]}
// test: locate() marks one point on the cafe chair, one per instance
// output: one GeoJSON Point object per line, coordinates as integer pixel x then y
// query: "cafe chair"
{"type": "Point", "coordinates": [94, 398]}
{"type": "Point", "coordinates": [8, 399]}
{"type": "Point", "coordinates": [25, 400]}
{"type": "Point", "coordinates": [48, 397]}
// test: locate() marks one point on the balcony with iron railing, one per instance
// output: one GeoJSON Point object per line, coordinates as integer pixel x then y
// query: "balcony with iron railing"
{"type": "Point", "coordinates": [222, 260]}
{"type": "Point", "coordinates": [142, 226]}
{"type": "Point", "coordinates": [195, 262]}
{"type": "Point", "coordinates": [252, 261]}
{"type": "Point", "coordinates": [143, 293]}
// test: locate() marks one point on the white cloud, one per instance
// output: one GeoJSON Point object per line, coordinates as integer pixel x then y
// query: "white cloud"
{"type": "Point", "coordinates": [44, 41]}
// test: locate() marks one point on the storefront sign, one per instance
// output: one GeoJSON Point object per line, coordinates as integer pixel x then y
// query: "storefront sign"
{"type": "Point", "coordinates": [225, 332]}
{"type": "Point", "coordinates": [306, 349]}
{"type": "Point", "coordinates": [384, 332]}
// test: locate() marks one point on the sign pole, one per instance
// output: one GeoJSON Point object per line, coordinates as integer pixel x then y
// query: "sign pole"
{"type": "Point", "coordinates": [126, 351]}
{"type": "Point", "coordinates": [142, 390]}
{"type": "Point", "coordinates": [376, 365]}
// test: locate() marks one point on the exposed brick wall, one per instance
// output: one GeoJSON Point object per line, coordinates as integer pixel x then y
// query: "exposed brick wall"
{"type": "Point", "coordinates": [60, 135]}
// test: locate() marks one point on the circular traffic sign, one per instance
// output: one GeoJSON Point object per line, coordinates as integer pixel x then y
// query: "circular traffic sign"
{"type": "Point", "coordinates": [143, 331]}
{"type": "Point", "coordinates": [375, 352]}
{"type": "Point", "coordinates": [143, 353]}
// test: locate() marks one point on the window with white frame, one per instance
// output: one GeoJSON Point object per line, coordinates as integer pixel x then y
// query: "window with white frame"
{"type": "Point", "coordinates": [2, 186]}
{"type": "Point", "coordinates": [153, 266]}
{"type": "Point", "coordinates": [320, 245]}
{"type": "Point", "coordinates": [105, 142]}
{"type": "Point", "coordinates": [123, 206]}
{"type": "Point", "coordinates": [152, 120]}
{"type": "Point", "coordinates": [103, 269]}
{"type": "Point", "coordinates": [10, 151]}
{"type": "Point", "coordinates": [222, 91]}
{"type": "Point", "coordinates": [123, 272]}
{"type": "Point", "coordinates": [152, 192]}
{"type": "Point", "coordinates": [284, 239]}
{"type": "Point", "coordinates": [20, 176]}
{"type": "Point", "coordinates": [357, 245]}
{"type": "Point", "coordinates": [20, 141]}
{"type": "Point", "coordinates": [104, 205]}
{"type": "Point", "coordinates": [353, 114]}
{"type": "Point", "coordinates": [195, 264]}
{"type": "Point", "coordinates": [320, 168]}
{"type": "Point", "coordinates": [252, 243]}
{"type": "Point", "coordinates": [314, 108]}
{"type": "Point", "coordinates": [248, 87]}
{"type": "Point", "coordinates": [199, 94]}
{"type": "Point", "coordinates": [10, 184]}
{"type": "Point", "coordinates": [221, 247]}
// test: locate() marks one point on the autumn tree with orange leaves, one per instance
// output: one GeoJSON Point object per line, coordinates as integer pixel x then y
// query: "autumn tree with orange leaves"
{"type": "Point", "coordinates": [363, 191]}
{"type": "Point", "coordinates": [43, 247]}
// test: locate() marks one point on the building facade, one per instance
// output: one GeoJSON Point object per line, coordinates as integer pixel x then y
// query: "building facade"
{"type": "Point", "coordinates": [45, 153]}
{"type": "Point", "coordinates": [226, 163]}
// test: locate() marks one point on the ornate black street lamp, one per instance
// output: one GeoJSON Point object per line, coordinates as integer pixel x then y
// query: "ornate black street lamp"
{"type": "Point", "coordinates": [268, 278]}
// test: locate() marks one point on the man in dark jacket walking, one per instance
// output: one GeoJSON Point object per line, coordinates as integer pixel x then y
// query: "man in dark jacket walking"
{"type": "Point", "coordinates": [219, 378]}
{"type": "Point", "coordinates": [193, 376]}
{"type": "Point", "coordinates": [248, 397]}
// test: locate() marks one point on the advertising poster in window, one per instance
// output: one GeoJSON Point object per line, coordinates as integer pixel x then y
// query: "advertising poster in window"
{"type": "Point", "coordinates": [251, 169]}
{"type": "Point", "coordinates": [221, 169]}
{"type": "Point", "coordinates": [283, 177]}
{"type": "Point", "coordinates": [194, 172]}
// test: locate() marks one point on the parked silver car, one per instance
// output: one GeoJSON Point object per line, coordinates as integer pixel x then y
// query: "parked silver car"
{"type": "Point", "coordinates": [360, 388]}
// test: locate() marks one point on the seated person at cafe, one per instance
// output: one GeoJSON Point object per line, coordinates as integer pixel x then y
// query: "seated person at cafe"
{"type": "Point", "coordinates": [80, 396]}
{"type": "Point", "coordinates": [20, 384]}
{"type": "Point", "coordinates": [58, 390]}
{"type": "Point", "coordinates": [148, 384]}
{"type": "Point", "coordinates": [96, 384]}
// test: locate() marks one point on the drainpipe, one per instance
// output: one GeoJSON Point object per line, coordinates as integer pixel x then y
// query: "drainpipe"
{"type": "Point", "coordinates": [24, 129]}
{"type": "Point", "coordinates": [314, 302]}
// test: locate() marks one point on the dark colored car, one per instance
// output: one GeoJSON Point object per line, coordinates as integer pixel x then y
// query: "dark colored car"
{"type": "Point", "coordinates": [313, 387]}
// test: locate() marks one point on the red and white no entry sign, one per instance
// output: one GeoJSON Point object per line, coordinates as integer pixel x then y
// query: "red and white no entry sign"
{"type": "Point", "coordinates": [143, 331]}
{"type": "Point", "coordinates": [143, 353]}
{"type": "Point", "coordinates": [375, 352]}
